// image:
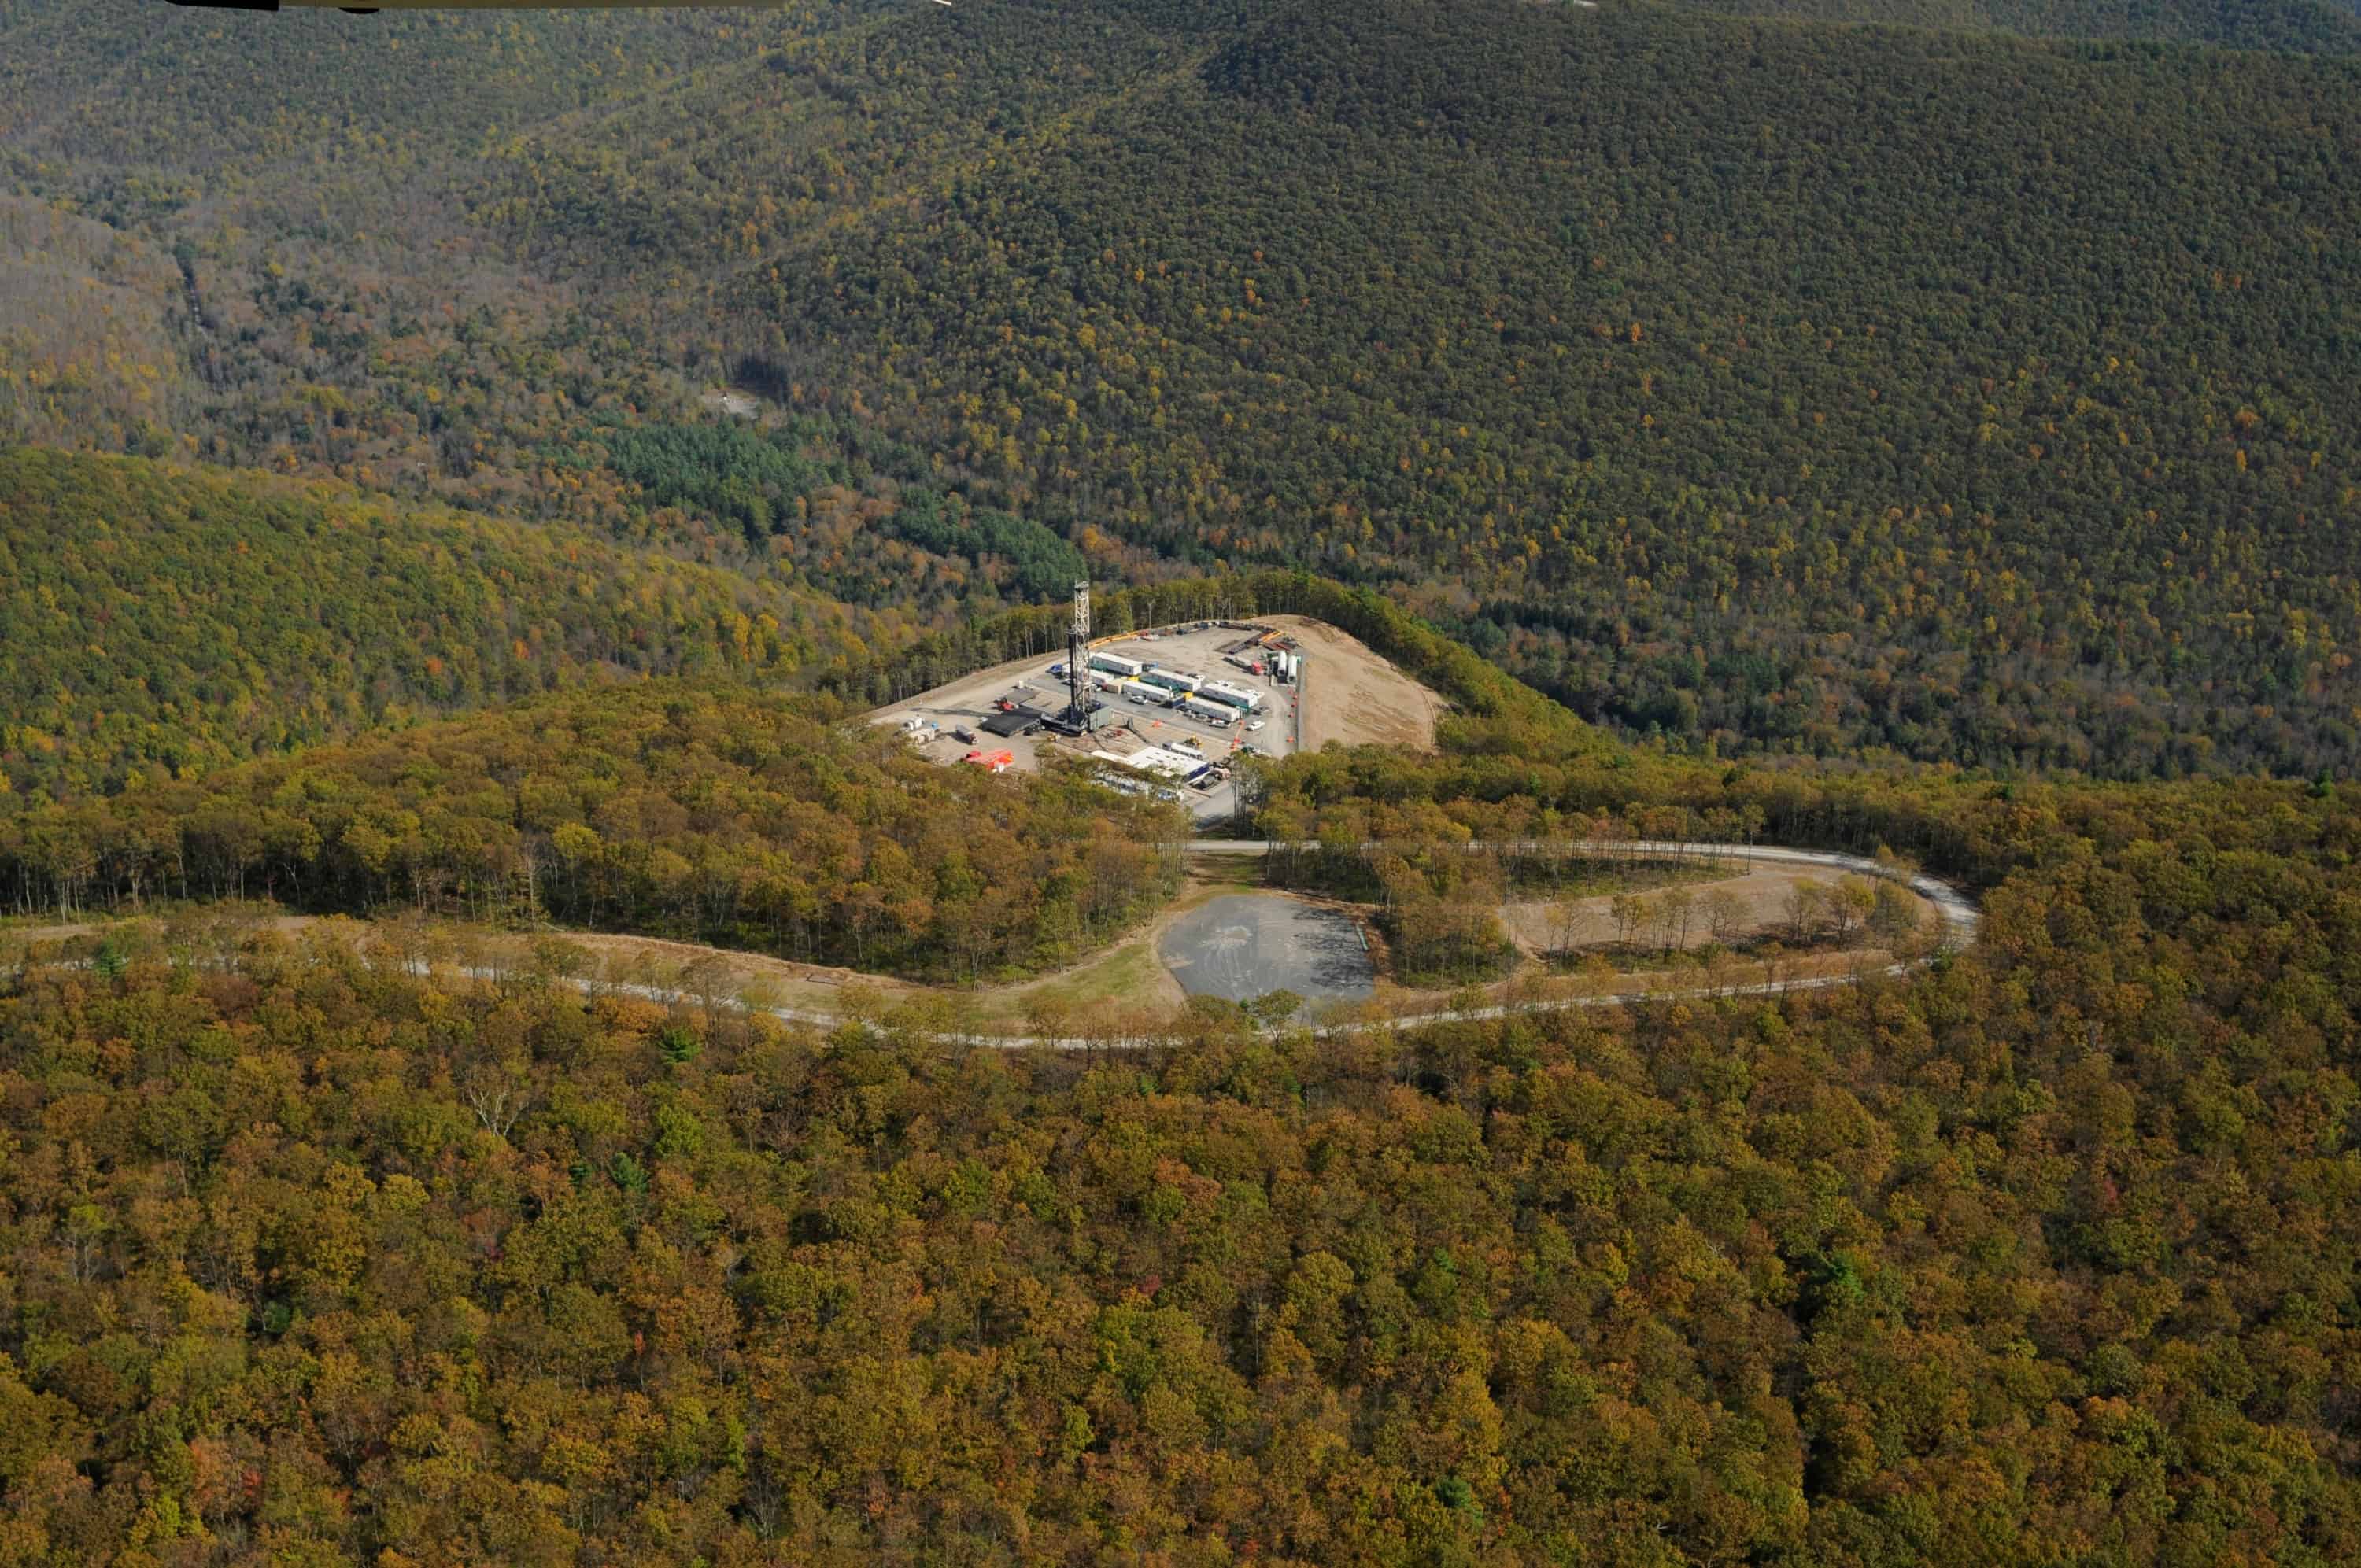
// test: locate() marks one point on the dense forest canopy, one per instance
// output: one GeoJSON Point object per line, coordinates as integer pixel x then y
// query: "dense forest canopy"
{"type": "Point", "coordinates": [1894, 425]}
{"type": "Point", "coordinates": [1754, 381]}
{"type": "Point", "coordinates": [2304, 26]}
{"type": "Point", "coordinates": [2045, 1253]}
{"type": "Point", "coordinates": [665, 806]}
{"type": "Point", "coordinates": [162, 621]}
{"type": "Point", "coordinates": [1771, 387]}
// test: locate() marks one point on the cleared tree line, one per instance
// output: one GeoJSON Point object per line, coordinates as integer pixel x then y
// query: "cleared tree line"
{"type": "Point", "coordinates": [1959, 920]}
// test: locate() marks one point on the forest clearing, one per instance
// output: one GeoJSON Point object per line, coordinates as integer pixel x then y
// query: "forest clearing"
{"type": "Point", "coordinates": [1136, 986]}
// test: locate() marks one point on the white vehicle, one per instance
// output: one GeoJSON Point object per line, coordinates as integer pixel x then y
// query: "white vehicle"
{"type": "Point", "coordinates": [1256, 725]}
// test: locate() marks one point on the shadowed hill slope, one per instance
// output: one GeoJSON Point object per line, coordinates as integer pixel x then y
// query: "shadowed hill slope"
{"type": "Point", "coordinates": [1765, 386]}
{"type": "Point", "coordinates": [163, 620]}
{"type": "Point", "coordinates": [1977, 398]}
{"type": "Point", "coordinates": [2302, 26]}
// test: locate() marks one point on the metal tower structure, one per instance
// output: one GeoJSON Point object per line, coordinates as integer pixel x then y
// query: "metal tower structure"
{"type": "Point", "coordinates": [1077, 650]}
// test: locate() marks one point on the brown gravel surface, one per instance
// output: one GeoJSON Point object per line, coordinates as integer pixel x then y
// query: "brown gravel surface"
{"type": "Point", "coordinates": [1532, 924]}
{"type": "Point", "coordinates": [1356, 698]}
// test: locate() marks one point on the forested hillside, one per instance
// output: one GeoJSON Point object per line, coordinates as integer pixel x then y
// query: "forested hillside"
{"type": "Point", "coordinates": [1814, 390]}
{"type": "Point", "coordinates": [1834, 399]}
{"type": "Point", "coordinates": [89, 351]}
{"type": "Point", "coordinates": [335, 308]}
{"type": "Point", "coordinates": [224, 99]}
{"type": "Point", "coordinates": [2045, 1253]}
{"type": "Point", "coordinates": [164, 621]}
{"type": "Point", "coordinates": [673, 808]}
{"type": "Point", "coordinates": [2304, 26]}
{"type": "Point", "coordinates": [1769, 386]}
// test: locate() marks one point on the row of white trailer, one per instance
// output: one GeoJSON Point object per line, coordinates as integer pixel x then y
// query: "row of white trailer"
{"type": "Point", "coordinates": [1136, 681]}
{"type": "Point", "coordinates": [1186, 703]}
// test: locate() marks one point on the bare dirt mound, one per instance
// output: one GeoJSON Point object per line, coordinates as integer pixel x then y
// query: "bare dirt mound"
{"type": "Point", "coordinates": [1353, 696]}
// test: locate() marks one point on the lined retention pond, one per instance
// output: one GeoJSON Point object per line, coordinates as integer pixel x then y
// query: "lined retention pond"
{"type": "Point", "coordinates": [1247, 944]}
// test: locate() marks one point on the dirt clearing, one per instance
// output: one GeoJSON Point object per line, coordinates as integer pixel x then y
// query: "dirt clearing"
{"type": "Point", "coordinates": [1538, 925]}
{"type": "Point", "coordinates": [1353, 697]}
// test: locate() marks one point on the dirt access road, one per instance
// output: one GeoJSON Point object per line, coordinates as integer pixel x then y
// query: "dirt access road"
{"type": "Point", "coordinates": [1959, 915]}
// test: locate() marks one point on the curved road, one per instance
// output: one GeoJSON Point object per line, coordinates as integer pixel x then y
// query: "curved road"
{"type": "Point", "coordinates": [1959, 915]}
{"type": "Point", "coordinates": [1959, 921]}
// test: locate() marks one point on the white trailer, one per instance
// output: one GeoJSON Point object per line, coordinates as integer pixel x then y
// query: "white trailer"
{"type": "Point", "coordinates": [1142, 693]}
{"type": "Point", "coordinates": [1172, 680]}
{"type": "Point", "coordinates": [1205, 712]}
{"type": "Point", "coordinates": [1117, 665]}
{"type": "Point", "coordinates": [1236, 696]}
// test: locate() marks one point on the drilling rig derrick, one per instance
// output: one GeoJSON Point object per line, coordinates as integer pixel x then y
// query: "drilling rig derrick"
{"type": "Point", "coordinates": [1077, 716]}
